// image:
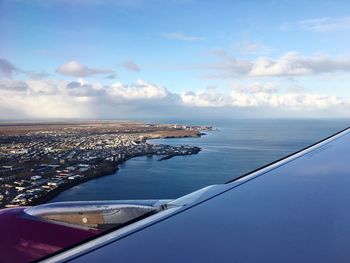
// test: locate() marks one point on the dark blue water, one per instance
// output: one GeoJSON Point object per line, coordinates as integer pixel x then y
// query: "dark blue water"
{"type": "Point", "coordinates": [238, 147]}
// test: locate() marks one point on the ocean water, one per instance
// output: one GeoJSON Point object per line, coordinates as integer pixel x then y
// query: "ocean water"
{"type": "Point", "coordinates": [238, 147]}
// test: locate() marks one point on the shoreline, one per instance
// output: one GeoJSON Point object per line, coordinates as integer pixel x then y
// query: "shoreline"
{"type": "Point", "coordinates": [113, 169]}
{"type": "Point", "coordinates": [55, 192]}
{"type": "Point", "coordinates": [36, 173]}
{"type": "Point", "coordinates": [196, 150]}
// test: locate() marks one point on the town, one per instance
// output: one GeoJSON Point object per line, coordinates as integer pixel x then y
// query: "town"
{"type": "Point", "coordinates": [39, 161]}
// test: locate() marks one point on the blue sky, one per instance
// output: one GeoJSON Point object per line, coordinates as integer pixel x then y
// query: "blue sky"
{"type": "Point", "coordinates": [150, 57]}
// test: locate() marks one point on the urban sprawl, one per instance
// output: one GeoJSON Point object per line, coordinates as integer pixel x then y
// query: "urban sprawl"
{"type": "Point", "coordinates": [39, 161]}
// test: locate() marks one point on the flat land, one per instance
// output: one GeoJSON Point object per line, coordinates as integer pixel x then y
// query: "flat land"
{"type": "Point", "coordinates": [39, 160]}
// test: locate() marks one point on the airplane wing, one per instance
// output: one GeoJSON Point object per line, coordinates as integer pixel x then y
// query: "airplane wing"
{"type": "Point", "coordinates": [296, 209]}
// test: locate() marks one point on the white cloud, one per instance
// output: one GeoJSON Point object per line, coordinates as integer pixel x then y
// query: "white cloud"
{"type": "Point", "coordinates": [261, 95]}
{"type": "Point", "coordinates": [43, 87]}
{"type": "Point", "coordinates": [291, 101]}
{"type": "Point", "coordinates": [78, 99]}
{"type": "Point", "coordinates": [182, 37]}
{"type": "Point", "coordinates": [209, 97]}
{"type": "Point", "coordinates": [42, 99]}
{"type": "Point", "coordinates": [287, 65]}
{"type": "Point", "coordinates": [75, 69]}
{"type": "Point", "coordinates": [140, 90]}
{"type": "Point", "coordinates": [294, 64]}
{"type": "Point", "coordinates": [82, 99]}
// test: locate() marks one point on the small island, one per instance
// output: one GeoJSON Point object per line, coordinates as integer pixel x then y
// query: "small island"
{"type": "Point", "coordinates": [40, 160]}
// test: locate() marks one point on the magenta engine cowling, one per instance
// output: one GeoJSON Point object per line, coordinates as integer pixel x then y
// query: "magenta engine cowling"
{"type": "Point", "coordinates": [26, 238]}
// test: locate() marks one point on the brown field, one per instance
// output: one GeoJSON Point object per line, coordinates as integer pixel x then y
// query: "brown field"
{"type": "Point", "coordinates": [94, 127]}
{"type": "Point", "coordinates": [173, 134]}
{"type": "Point", "coordinates": [24, 128]}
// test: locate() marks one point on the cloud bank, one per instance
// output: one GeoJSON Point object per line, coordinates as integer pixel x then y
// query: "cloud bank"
{"type": "Point", "coordinates": [39, 97]}
{"type": "Point", "coordinates": [289, 64]}
{"type": "Point", "coordinates": [262, 99]}
{"type": "Point", "coordinates": [81, 99]}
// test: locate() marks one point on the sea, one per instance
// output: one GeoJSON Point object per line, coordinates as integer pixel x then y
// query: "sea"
{"type": "Point", "coordinates": [235, 148]}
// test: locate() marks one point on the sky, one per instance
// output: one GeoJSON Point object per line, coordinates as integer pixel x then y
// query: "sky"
{"type": "Point", "coordinates": [130, 59]}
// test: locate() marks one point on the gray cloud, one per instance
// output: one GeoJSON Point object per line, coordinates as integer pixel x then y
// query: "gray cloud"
{"type": "Point", "coordinates": [75, 69]}
{"type": "Point", "coordinates": [130, 65]}
{"type": "Point", "coordinates": [81, 89]}
{"type": "Point", "coordinates": [13, 85]}
{"type": "Point", "coordinates": [111, 76]}
{"type": "Point", "coordinates": [76, 84]}
{"type": "Point", "coordinates": [289, 64]}
{"type": "Point", "coordinates": [6, 68]}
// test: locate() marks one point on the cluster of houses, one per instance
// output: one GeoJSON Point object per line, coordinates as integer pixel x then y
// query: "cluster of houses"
{"type": "Point", "coordinates": [67, 156]}
{"type": "Point", "coordinates": [47, 178]}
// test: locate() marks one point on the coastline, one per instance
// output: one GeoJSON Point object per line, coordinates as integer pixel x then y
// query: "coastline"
{"type": "Point", "coordinates": [55, 192]}
{"type": "Point", "coordinates": [112, 169]}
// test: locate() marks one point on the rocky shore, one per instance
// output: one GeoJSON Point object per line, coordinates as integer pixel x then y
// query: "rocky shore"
{"type": "Point", "coordinates": [194, 150]}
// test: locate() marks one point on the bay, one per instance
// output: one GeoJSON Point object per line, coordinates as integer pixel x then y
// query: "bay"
{"type": "Point", "coordinates": [239, 146]}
